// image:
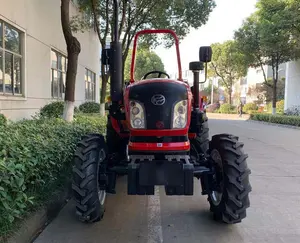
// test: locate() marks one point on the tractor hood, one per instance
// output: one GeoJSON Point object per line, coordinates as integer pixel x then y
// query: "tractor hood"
{"type": "Point", "coordinates": [158, 98]}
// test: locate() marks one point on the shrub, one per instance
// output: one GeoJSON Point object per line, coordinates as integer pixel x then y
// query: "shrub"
{"type": "Point", "coordinates": [252, 112]}
{"type": "Point", "coordinates": [90, 107]}
{"type": "Point", "coordinates": [33, 155]}
{"type": "Point", "coordinates": [54, 110]}
{"type": "Point", "coordinates": [249, 106]}
{"type": "Point", "coordinates": [3, 120]}
{"type": "Point", "coordinates": [293, 111]}
{"type": "Point", "coordinates": [226, 109]}
{"type": "Point", "coordinates": [279, 119]}
{"type": "Point", "coordinates": [280, 106]}
{"type": "Point", "coordinates": [269, 107]}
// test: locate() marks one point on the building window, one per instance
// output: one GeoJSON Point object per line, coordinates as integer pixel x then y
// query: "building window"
{"type": "Point", "coordinates": [90, 85]}
{"type": "Point", "coordinates": [58, 74]}
{"type": "Point", "coordinates": [10, 60]}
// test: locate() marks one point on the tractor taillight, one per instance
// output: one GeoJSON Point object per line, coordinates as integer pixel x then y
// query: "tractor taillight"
{"type": "Point", "coordinates": [180, 114]}
{"type": "Point", "coordinates": [137, 115]}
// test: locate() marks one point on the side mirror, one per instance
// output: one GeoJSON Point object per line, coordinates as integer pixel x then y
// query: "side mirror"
{"type": "Point", "coordinates": [105, 56]}
{"type": "Point", "coordinates": [205, 54]}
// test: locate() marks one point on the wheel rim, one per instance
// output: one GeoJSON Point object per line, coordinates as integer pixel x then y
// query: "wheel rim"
{"type": "Point", "coordinates": [218, 177]}
{"type": "Point", "coordinates": [102, 155]}
{"type": "Point", "coordinates": [216, 197]}
{"type": "Point", "coordinates": [101, 196]}
{"type": "Point", "coordinates": [127, 153]}
{"type": "Point", "coordinates": [101, 193]}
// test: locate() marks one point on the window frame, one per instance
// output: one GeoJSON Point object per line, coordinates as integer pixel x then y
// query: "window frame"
{"type": "Point", "coordinates": [88, 84]}
{"type": "Point", "coordinates": [62, 72]}
{"type": "Point", "coordinates": [15, 55]}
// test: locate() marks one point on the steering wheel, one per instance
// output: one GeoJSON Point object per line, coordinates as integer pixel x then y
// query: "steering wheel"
{"type": "Point", "coordinates": [158, 72]}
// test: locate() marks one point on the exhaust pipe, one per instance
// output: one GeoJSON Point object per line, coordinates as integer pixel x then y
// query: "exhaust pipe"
{"type": "Point", "coordinates": [116, 60]}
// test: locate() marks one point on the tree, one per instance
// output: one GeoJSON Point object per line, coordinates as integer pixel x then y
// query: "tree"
{"type": "Point", "coordinates": [228, 63]}
{"type": "Point", "coordinates": [208, 90]}
{"type": "Point", "coordinates": [136, 15]}
{"type": "Point", "coordinates": [146, 61]}
{"type": "Point", "coordinates": [292, 16]}
{"type": "Point", "coordinates": [274, 38]}
{"type": "Point", "coordinates": [73, 49]}
{"type": "Point", "coordinates": [264, 92]}
{"type": "Point", "coordinates": [248, 42]}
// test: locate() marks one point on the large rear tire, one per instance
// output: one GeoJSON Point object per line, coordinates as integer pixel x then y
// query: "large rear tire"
{"type": "Point", "coordinates": [230, 201]}
{"type": "Point", "coordinates": [89, 179]}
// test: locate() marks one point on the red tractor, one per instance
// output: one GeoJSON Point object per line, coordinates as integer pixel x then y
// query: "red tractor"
{"type": "Point", "coordinates": [157, 134]}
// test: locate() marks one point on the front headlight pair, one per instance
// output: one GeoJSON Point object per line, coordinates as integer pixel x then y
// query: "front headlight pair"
{"type": "Point", "coordinates": [137, 115]}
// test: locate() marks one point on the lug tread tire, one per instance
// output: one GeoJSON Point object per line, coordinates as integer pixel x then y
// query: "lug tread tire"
{"type": "Point", "coordinates": [235, 199]}
{"type": "Point", "coordinates": [201, 142]}
{"type": "Point", "coordinates": [85, 178]}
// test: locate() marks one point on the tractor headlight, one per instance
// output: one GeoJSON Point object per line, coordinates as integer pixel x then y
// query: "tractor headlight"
{"type": "Point", "coordinates": [137, 115]}
{"type": "Point", "coordinates": [180, 114]}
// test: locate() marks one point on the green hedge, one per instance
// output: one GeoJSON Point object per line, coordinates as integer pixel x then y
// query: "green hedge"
{"type": "Point", "coordinates": [54, 110]}
{"type": "Point", "coordinates": [33, 155]}
{"type": "Point", "coordinates": [3, 120]}
{"type": "Point", "coordinates": [279, 119]}
{"type": "Point", "coordinates": [249, 107]}
{"type": "Point", "coordinates": [227, 109]}
{"type": "Point", "coordinates": [90, 107]}
{"type": "Point", "coordinates": [280, 106]}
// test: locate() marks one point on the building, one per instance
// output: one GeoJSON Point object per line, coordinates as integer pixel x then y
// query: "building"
{"type": "Point", "coordinates": [292, 85]}
{"type": "Point", "coordinates": [33, 58]}
{"type": "Point", "coordinates": [254, 79]}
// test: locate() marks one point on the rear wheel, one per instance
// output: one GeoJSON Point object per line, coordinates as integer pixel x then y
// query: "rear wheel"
{"type": "Point", "coordinates": [200, 144]}
{"type": "Point", "coordinates": [231, 198]}
{"type": "Point", "coordinates": [89, 179]}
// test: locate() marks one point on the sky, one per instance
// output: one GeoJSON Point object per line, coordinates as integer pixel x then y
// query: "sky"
{"type": "Point", "coordinates": [226, 17]}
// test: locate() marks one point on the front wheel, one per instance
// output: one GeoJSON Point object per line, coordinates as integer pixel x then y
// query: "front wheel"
{"type": "Point", "coordinates": [89, 179]}
{"type": "Point", "coordinates": [231, 198]}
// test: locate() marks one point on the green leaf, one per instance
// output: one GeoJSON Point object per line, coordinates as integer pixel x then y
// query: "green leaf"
{"type": "Point", "coordinates": [11, 218]}
{"type": "Point", "coordinates": [20, 181]}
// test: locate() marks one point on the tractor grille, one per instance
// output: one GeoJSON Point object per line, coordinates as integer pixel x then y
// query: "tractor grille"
{"type": "Point", "coordinates": [158, 116]}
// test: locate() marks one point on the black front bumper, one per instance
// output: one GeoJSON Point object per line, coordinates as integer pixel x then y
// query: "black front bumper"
{"type": "Point", "coordinates": [177, 177]}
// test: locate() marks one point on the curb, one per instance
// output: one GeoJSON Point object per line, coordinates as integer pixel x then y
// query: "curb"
{"type": "Point", "coordinates": [274, 124]}
{"type": "Point", "coordinates": [32, 226]}
{"type": "Point", "coordinates": [227, 116]}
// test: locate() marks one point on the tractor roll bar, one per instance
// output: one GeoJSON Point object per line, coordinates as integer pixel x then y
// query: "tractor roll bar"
{"type": "Point", "coordinates": [159, 31]}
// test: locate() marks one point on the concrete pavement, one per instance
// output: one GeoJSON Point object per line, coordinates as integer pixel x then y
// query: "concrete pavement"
{"type": "Point", "coordinates": [274, 215]}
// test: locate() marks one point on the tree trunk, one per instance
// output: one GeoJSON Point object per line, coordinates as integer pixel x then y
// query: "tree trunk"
{"type": "Point", "coordinates": [73, 48]}
{"type": "Point", "coordinates": [230, 95]}
{"type": "Point", "coordinates": [275, 79]}
{"type": "Point", "coordinates": [102, 40]}
{"type": "Point", "coordinates": [104, 80]}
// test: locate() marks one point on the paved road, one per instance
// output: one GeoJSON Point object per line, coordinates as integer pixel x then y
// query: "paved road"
{"type": "Point", "coordinates": [274, 215]}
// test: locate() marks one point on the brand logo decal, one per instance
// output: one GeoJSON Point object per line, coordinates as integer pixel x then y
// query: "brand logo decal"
{"type": "Point", "coordinates": [158, 99]}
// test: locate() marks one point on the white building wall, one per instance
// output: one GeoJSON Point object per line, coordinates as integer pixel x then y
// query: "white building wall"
{"type": "Point", "coordinates": [292, 85]}
{"type": "Point", "coordinates": [40, 22]}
